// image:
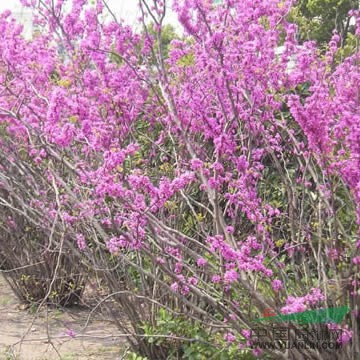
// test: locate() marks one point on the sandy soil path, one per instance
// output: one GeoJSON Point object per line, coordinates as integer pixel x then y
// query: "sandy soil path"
{"type": "Point", "coordinates": [23, 338]}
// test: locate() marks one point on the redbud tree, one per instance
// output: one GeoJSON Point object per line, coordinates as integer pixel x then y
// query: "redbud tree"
{"type": "Point", "coordinates": [206, 183]}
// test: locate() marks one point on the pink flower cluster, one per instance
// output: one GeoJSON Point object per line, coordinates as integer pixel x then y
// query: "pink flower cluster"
{"type": "Point", "coordinates": [299, 304]}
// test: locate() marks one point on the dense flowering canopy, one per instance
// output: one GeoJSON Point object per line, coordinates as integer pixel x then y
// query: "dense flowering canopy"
{"type": "Point", "coordinates": [222, 163]}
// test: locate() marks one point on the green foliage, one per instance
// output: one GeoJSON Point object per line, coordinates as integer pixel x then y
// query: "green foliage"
{"type": "Point", "coordinates": [191, 340]}
{"type": "Point", "coordinates": [350, 45]}
{"type": "Point", "coordinates": [168, 34]}
{"type": "Point", "coordinates": [134, 356]}
{"type": "Point", "coordinates": [318, 18]}
{"type": "Point", "coordinates": [9, 354]}
{"type": "Point", "coordinates": [186, 60]}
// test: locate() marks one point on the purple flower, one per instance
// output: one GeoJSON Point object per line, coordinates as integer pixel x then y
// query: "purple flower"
{"type": "Point", "coordinates": [277, 285]}
{"type": "Point", "coordinates": [160, 260]}
{"type": "Point", "coordinates": [229, 337]}
{"type": "Point", "coordinates": [231, 276]}
{"type": "Point", "coordinates": [185, 290]}
{"type": "Point", "coordinates": [257, 352]}
{"type": "Point", "coordinates": [230, 229]}
{"type": "Point", "coordinates": [216, 279]}
{"type": "Point", "coordinates": [201, 262]}
{"type": "Point", "coordinates": [174, 287]}
{"type": "Point", "coordinates": [80, 240]}
{"type": "Point", "coordinates": [192, 280]}
{"type": "Point", "coordinates": [196, 164]}
{"type": "Point", "coordinates": [70, 333]}
{"type": "Point", "coordinates": [115, 243]}
{"type": "Point", "coordinates": [178, 268]}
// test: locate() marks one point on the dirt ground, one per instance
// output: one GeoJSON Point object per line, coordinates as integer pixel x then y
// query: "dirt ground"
{"type": "Point", "coordinates": [53, 333]}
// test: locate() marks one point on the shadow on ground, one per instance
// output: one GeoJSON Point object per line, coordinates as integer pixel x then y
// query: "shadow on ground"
{"type": "Point", "coordinates": [53, 333]}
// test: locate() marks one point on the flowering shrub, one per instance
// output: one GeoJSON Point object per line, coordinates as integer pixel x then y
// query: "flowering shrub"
{"type": "Point", "coordinates": [36, 255]}
{"type": "Point", "coordinates": [215, 183]}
